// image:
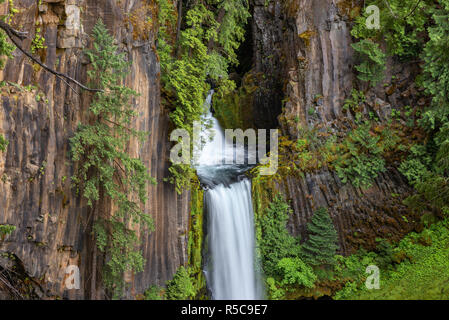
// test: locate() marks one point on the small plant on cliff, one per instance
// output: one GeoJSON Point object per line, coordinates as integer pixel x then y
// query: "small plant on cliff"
{"type": "Point", "coordinates": [154, 293]}
{"type": "Point", "coordinates": [3, 143]}
{"type": "Point", "coordinates": [321, 247]}
{"type": "Point", "coordinates": [372, 61]}
{"type": "Point", "coordinates": [360, 157]}
{"type": "Point", "coordinates": [38, 41]}
{"type": "Point", "coordinates": [105, 169]}
{"type": "Point", "coordinates": [6, 229]}
{"type": "Point", "coordinates": [296, 273]}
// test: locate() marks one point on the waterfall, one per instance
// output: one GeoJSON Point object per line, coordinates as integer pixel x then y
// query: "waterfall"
{"type": "Point", "coordinates": [232, 271]}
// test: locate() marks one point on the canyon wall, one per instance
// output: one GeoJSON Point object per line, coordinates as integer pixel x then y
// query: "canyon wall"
{"type": "Point", "coordinates": [39, 113]}
{"type": "Point", "coordinates": [304, 50]}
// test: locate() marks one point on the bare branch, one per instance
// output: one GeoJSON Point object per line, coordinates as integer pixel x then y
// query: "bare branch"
{"type": "Point", "coordinates": [13, 34]}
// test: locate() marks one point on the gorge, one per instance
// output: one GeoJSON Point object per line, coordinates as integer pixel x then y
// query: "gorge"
{"type": "Point", "coordinates": [362, 173]}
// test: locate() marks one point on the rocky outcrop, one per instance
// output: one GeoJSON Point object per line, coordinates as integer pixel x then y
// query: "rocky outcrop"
{"type": "Point", "coordinates": [39, 113]}
{"type": "Point", "coordinates": [304, 50]}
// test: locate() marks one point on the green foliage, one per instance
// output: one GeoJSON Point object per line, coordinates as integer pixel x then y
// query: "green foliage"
{"type": "Point", "coordinates": [105, 169]}
{"type": "Point", "coordinates": [154, 293]}
{"type": "Point", "coordinates": [354, 102]}
{"type": "Point", "coordinates": [416, 167]}
{"type": "Point", "coordinates": [436, 71]}
{"type": "Point", "coordinates": [320, 248]}
{"type": "Point", "coordinates": [181, 286]}
{"type": "Point", "coordinates": [3, 143]}
{"type": "Point", "coordinates": [181, 176]}
{"type": "Point", "coordinates": [6, 48]}
{"type": "Point", "coordinates": [6, 229]}
{"type": "Point", "coordinates": [372, 61]}
{"type": "Point", "coordinates": [276, 243]}
{"type": "Point", "coordinates": [430, 173]}
{"type": "Point", "coordinates": [38, 42]}
{"type": "Point", "coordinates": [295, 272]}
{"type": "Point", "coordinates": [419, 270]}
{"type": "Point", "coordinates": [275, 291]}
{"type": "Point", "coordinates": [360, 157]}
{"type": "Point", "coordinates": [401, 26]}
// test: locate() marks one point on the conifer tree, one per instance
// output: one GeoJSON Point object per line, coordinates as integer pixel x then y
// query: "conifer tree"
{"type": "Point", "coordinates": [321, 246]}
{"type": "Point", "coordinates": [105, 168]}
{"type": "Point", "coordinates": [276, 242]}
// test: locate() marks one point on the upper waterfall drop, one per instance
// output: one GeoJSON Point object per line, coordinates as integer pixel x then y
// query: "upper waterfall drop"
{"type": "Point", "coordinates": [232, 271]}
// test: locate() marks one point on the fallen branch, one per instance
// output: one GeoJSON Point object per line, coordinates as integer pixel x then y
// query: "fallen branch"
{"type": "Point", "coordinates": [13, 34]}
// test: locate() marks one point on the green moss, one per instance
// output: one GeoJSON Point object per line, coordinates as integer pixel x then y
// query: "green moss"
{"type": "Point", "coordinates": [196, 237]}
{"type": "Point", "coordinates": [233, 108]}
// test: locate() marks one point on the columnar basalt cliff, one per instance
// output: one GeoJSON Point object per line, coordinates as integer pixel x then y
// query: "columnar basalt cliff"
{"type": "Point", "coordinates": [39, 113]}
{"type": "Point", "coordinates": [304, 49]}
{"type": "Point", "coordinates": [301, 72]}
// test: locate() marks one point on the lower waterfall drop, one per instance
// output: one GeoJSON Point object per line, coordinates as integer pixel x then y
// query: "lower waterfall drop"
{"type": "Point", "coordinates": [232, 272]}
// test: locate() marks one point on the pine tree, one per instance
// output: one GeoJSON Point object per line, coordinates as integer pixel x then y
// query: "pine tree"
{"type": "Point", "coordinates": [321, 246]}
{"type": "Point", "coordinates": [276, 243]}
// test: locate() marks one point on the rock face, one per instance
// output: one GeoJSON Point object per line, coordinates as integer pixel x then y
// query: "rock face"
{"type": "Point", "coordinates": [304, 50]}
{"type": "Point", "coordinates": [53, 225]}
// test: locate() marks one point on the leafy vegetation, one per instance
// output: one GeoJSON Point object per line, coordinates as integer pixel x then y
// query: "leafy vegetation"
{"type": "Point", "coordinates": [427, 167]}
{"type": "Point", "coordinates": [6, 229]}
{"type": "Point", "coordinates": [372, 66]}
{"type": "Point", "coordinates": [3, 143]}
{"type": "Point", "coordinates": [417, 269]}
{"type": "Point", "coordinates": [360, 159]}
{"type": "Point", "coordinates": [402, 23]}
{"type": "Point", "coordinates": [6, 48]}
{"type": "Point", "coordinates": [154, 293]}
{"type": "Point", "coordinates": [181, 286]}
{"type": "Point", "coordinates": [105, 169]}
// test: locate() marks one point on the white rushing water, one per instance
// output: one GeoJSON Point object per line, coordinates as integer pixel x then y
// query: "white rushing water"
{"type": "Point", "coordinates": [232, 271]}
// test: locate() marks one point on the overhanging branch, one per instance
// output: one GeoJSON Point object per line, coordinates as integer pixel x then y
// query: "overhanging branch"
{"type": "Point", "coordinates": [13, 34]}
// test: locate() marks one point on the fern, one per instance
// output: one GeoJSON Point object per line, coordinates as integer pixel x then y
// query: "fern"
{"type": "Point", "coordinates": [372, 61]}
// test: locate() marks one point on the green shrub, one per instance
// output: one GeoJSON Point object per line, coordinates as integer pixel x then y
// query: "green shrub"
{"type": "Point", "coordinates": [372, 61]}
{"type": "Point", "coordinates": [154, 293]}
{"type": "Point", "coordinates": [355, 101]}
{"type": "Point", "coordinates": [402, 24]}
{"type": "Point", "coordinates": [417, 164]}
{"type": "Point", "coordinates": [360, 157]}
{"type": "Point", "coordinates": [6, 229]}
{"type": "Point", "coordinates": [181, 286]}
{"type": "Point", "coordinates": [295, 272]}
